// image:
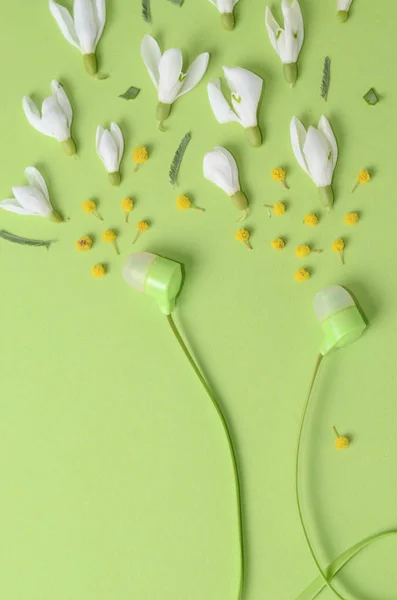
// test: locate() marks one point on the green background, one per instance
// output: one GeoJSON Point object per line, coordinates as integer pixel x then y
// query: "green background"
{"type": "Point", "coordinates": [115, 476]}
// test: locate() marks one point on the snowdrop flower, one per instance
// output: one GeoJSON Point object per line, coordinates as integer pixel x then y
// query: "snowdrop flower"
{"type": "Point", "coordinates": [166, 73]}
{"type": "Point", "coordinates": [33, 199]}
{"type": "Point", "coordinates": [84, 30]}
{"type": "Point", "coordinates": [220, 168]}
{"type": "Point", "coordinates": [246, 90]}
{"type": "Point", "coordinates": [287, 42]}
{"type": "Point", "coordinates": [110, 149]}
{"type": "Point", "coordinates": [316, 151]}
{"type": "Point", "coordinates": [56, 117]}
{"type": "Point", "coordinates": [343, 9]}
{"type": "Point", "coordinates": [226, 8]}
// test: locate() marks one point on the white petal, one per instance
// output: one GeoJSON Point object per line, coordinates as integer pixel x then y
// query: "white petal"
{"type": "Point", "coordinates": [55, 119]}
{"type": "Point", "coordinates": [220, 168]}
{"type": "Point", "coordinates": [222, 111]}
{"type": "Point", "coordinates": [12, 205]}
{"type": "Point", "coordinates": [195, 73]}
{"type": "Point", "coordinates": [293, 26]}
{"type": "Point", "coordinates": [298, 137]}
{"type": "Point", "coordinates": [33, 115]}
{"type": "Point", "coordinates": [214, 2]}
{"type": "Point", "coordinates": [108, 152]}
{"type": "Point", "coordinates": [63, 100]}
{"type": "Point", "coordinates": [99, 133]}
{"type": "Point", "coordinates": [326, 129]}
{"type": "Point", "coordinates": [65, 23]}
{"type": "Point", "coordinates": [248, 88]}
{"type": "Point", "coordinates": [100, 14]}
{"type": "Point", "coordinates": [36, 180]}
{"type": "Point", "coordinates": [318, 155]}
{"type": "Point", "coordinates": [118, 139]}
{"type": "Point", "coordinates": [32, 200]}
{"type": "Point", "coordinates": [225, 6]}
{"type": "Point", "coordinates": [151, 55]}
{"type": "Point", "coordinates": [170, 68]}
{"type": "Point", "coordinates": [344, 4]}
{"type": "Point", "coordinates": [273, 28]}
{"type": "Point", "coordinates": [85, 25]}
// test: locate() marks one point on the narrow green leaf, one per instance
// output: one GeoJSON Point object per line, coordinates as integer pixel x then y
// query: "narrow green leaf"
{"type": "Point", "coordinates": [371, 97]}
{"type": "Point", "coordinates": [16, 239]}
{"type": "Point", "coordinates": [176, 2]}
{"type": "Point", "coordinates": [131, 93]}
{"type": "Point", "coordinates": [146, 12]}
{"type": "Point", "coordinates": [179, 154]}
{"type": "Point", "coordinates": [326, 78]}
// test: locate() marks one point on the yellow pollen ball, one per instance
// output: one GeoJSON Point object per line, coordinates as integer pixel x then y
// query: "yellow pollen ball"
{"type": "Point", "coordinates": [279, 209]}
{"type": "Point", "coordinates": [364, 176]}
{"type": "Point", "coordinates": [338, 245]}
{"type": "Point", "coordinates": [84, 244]}
{"type": "Point", "coordinates": [342, 442]}
{"type": "Point", "coordinates": [140, 155]}
{"type": "Point", "coordinates": [109, 236]}
{"type": "Point", "coordinates": [142, 226]}
{"type": "Point", "coordinates": [278, 244]}
{"type": "Point", "coordinates": [278, 174]}
{"type": "Point", "coordinates": [98, 271]}
{"type": "Point", "coordinates": [242, 235]}
{"type": "Point", "coordinates": [302, 250]}
{"type": "Point", "coordinates": [127, 204]}
{"type": "Point", "coordinates": [301, 275]}
{"type": "Point", "coordinates": [89, 206]}
{"type": "Point", "coordinates": [311, 220]}
{"type": "Point", "coordinates": [351, 218]}
{"type": "Point", "coordinates": [183, 202]}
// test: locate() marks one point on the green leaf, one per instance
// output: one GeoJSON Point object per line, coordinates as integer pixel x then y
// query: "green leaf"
{"type": "Point", "coordinates": [16, 239]}
{"type": "Point", "coordinates": [326, 78]}
{"type": "Point", "coordinates": [371, 97]}
{"type": "Point", "coordinates": [179, 154]}
{"type": "Point", "coordinates": [146, 12]}
{"type": "Point", "coordinates": [131, 93]}
{"type": "Point", "coordinates": [176, 2]}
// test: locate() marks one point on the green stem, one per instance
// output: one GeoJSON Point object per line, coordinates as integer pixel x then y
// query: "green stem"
{"type": "Point", "coordinates": [297, 495]}
{"type": "Point", "coordinates": [229, 442]}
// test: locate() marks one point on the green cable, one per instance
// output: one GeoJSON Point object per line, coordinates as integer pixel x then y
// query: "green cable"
{"type": "Point", "coordinates": [230, 444]}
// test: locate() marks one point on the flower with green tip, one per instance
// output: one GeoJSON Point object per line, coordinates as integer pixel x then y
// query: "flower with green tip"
{"type": "Point", "coordinates": [32, 200]}
{"type": "Point", "coordinates": [84, 29]}
{"type": "Point", "coordinates": [220, 167]}
{"type": "Point", "coordinates": [316, 151]}
{"type": "Point", "coordinates": [110, 149]}
{"type": "Point", "coordinates": [55, 119]}
{"type": "Point", "coordinates": [287, 42]}
{"type": "Point", "coordinates": [165, 71]}
{"type": "Point", "coordinates": [246, 90]}
{"type": "Point", "coordinates": [343, 10]}
{"type": "Point", "coordinates": [226, 8]}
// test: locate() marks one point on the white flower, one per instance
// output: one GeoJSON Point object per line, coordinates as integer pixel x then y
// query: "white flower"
{"type": "Point", "coordinates": [343, 9]}
{"type": "Point", "coordinates": [56, 116]}
{"type": "Point", "coordinates": [32, 200]}
{"type": "Point", "coordinates": [110, 149]}
{"type": "Point", "coordinates": [246, 90]}
{"type": "Point", "coordinates": [287, 42]}
{"type": "Point", "coordinates": [220, 167]}
{"type": "Point", "coordinates": [166, 73]}
{"type": "Point", "coordinates": [226, 8]}
{"type": "Point", "coordinates": [84, 30]}
{"type": "Point", "coordinates": [316, 151]}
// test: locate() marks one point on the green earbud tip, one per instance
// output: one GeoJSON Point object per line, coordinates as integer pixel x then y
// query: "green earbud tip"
{"type": "Point", "coordinates": [240, 200]}
{"type": "Point", "coordinates": [342, 16]}
{"type": "Point", "coordinates": [69, 147]}
{"type": "Point", "coordinates": [90, 64]}
{"type": "Point", "coordinates": [56, 217]}
{"type": "Point", "coordinates": [290, 73]}
{"type": "Point", "coordinates": [115, 178]}
{"type": "Point", "coordinates": [227, 20]}
{"type": "Point", "coordinates": [254, 136]}
{"type": "Point", "coordinates": [326, 196]}
{"type": "Point", "coordinates": [162, 111]}
{"type": "Point", "coordinates": [163, 283]}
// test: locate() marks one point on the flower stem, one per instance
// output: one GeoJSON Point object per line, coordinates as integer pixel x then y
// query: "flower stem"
{"type": "Point", "coordinates": [325, 578]}
{"type": "Point", "coordinates": [341, 258]}
{"type": "Point", "coordinates": [116, 247]}
{"type": "Point", "coordinates": [135, 168]}
{"type": "Point", "coordinates": [336, 433]}
{"type": "Point", "coordinates": [198, 208]}
{"type": "Point", "coordinates": [229, 442]}
{"type": "Point", "coordinates": [136, 237]}
{"type": "Point", "coordinates": [285, 186]}
{"type": "Point", "coordinates": [126, 216]}
{"type": "Point", "coordinates": [246, 242]}
{"type": "Point", "coordinates": [98, 216]}
{"type": "Point", "coordinates": [355, 186]}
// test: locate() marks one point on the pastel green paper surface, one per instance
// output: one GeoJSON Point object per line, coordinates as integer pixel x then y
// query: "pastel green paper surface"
{"type": "Point", "coordinates": [116, 479]}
